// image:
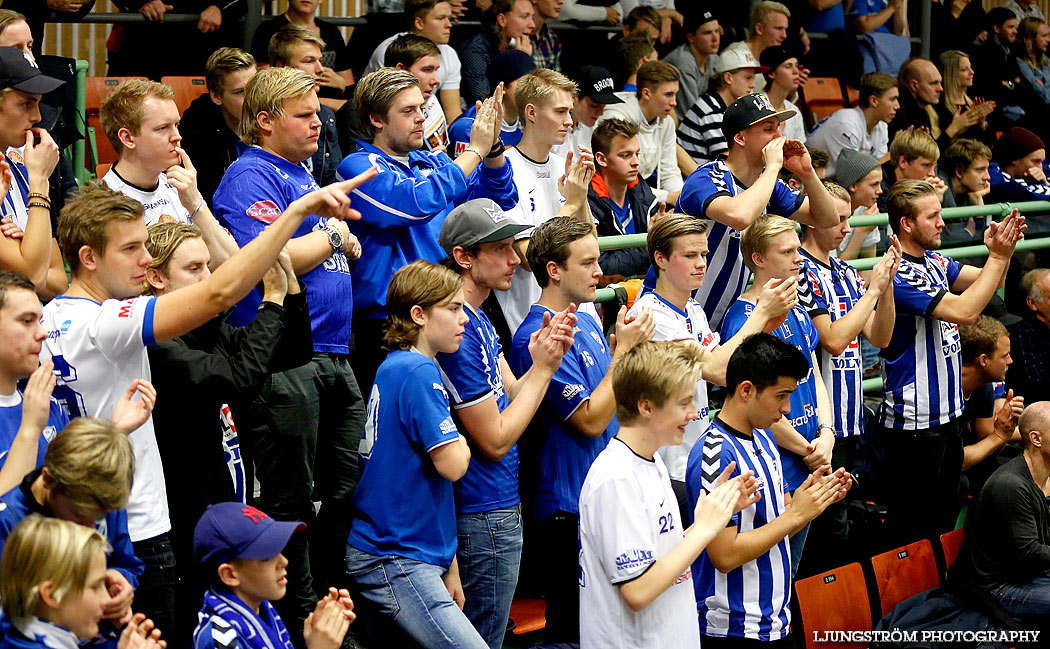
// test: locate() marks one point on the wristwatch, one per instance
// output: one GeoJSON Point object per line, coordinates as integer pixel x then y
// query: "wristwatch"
{"type": "Point", "coordinates": [334, 237]}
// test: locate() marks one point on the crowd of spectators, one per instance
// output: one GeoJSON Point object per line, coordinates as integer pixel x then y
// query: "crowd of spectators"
{"type": "Point", "coordinates": [319, 362]}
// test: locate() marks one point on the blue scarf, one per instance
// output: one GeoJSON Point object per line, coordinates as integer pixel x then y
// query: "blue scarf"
{"type": "Point", "coordinates": [262, 631]}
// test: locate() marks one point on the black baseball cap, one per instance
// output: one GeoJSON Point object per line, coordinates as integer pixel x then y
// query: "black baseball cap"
{"type": "Point", "coordinates": [19, 71]}
{"type": "Point", "coordinates": [596, 83]}
{"type": "Point", "coordinates": [509, 66]}
{"type": "Point", "coordinates": [772, 57]}
{"type": "Point", "coordinates": [748, 111]}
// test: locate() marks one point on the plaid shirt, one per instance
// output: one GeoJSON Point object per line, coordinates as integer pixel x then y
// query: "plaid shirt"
{"type": "Point", "coordinates": [1029, 375]}
{"type": "Point", "coordinates": [546, 49]}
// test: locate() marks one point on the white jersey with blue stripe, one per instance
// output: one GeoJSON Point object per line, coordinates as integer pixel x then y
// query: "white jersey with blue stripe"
{"type": "Point", "coordinates": [674, 324]}
{"type": "Point", "coordinates": [726, 276]}
{"type": "Point", "coordinates": [922, 384]}
{"type": "Point", "coordinates": [752, 600]}
{"type": "Point", "coordinates": [834, 290]}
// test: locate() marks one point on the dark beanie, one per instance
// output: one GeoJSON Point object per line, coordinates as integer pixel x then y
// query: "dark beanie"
{"type": "Point", "coordinates": [1015, 144]}
{"type": "Point", "coordinates": [853, 165]}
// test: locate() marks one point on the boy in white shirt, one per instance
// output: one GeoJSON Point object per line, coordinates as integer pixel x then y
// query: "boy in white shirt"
{"type": "Point", "coordinates": [635, 575]}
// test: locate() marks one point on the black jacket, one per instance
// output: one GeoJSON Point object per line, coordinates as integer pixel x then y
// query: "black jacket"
{"type": "Point", "coordinates": [1009, 537]}
{"type": "Point", "coordinates": [629, 262]}
{"type": "Point", "coordinates": [195, 375]}
{"type": "Point", "coordinates": [911, 113]}
{"type": "Point", "coordinates": [210, 143]}
{"type": "Point", "coordinates": [326, 161]}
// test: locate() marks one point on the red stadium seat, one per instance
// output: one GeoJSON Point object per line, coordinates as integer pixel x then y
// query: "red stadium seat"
{"type": "Point", "coordinates": [951, 543]}
{"type": "Point", "coordinates": [836, 600]}
{"type": "Point", "coordinates": [853, 95]}
{"type": "Point", "coordinates": [102, 169]}
{"type": "Point", "coordinates": [96, 90]}
{"type": "Point", "coordinates": [904, 572]}
{"type": "Point", "coordinates": [186, 90]}
{"type": "Point", "coordinates": [528, 615]}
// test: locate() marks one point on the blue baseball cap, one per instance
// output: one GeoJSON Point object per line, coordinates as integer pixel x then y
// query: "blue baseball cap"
{"type": "Point", "coordinates": [230, 531]}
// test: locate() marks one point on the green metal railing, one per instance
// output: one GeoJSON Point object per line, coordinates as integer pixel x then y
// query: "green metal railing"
{"type": "Point", "coordinates": [951, 213]}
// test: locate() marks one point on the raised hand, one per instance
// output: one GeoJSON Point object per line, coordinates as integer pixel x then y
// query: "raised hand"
{"type": "Point", "coordinates": [326, 626]}
{"type": "Point", "coordinates": [333, 201]}
{"type": "Point", "coordinates": [773, 153]}
{"type": "Point", "coordinates": [749, 492]}
{"type": "Point", "coordinates": [1000, 238]}
{"type": "Point", "coordinates": [883, 273]}
{"type": "Point", "coordinates": [549, 343]}
{"type": "Point", "coordinates": [140, 633]}
{"type": "Point", "coordinates": [576, 181]}
{"type": "Point", "coordinates": [6, 178]}
{"type": "Point", "coordinates": [130, 413]}
{"type": "Point", "coordinates": [631, 330]}
{"type": "Point", "coordinates": [118, 608]}
{"type": "Point", "coordinates": [713, 510]}
{"type": "Point", "coordinates": [36, 398]}
{"type": "Point", "coordinates": [1007, 415]}
{"type": "Point", "coordinates": [796, 158]}
{"type": "Point", "coordinates": [184, 179]}
{"type": "Point", "coordinates": [778, 296]}
{"type": "Point", "coordinates": [40, 159]}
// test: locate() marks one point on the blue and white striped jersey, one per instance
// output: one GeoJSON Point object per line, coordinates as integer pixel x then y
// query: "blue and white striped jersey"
{"type": "Point", "coordinates": [726, 276]}
{"type": "Point", "coordinates": [471, 375]}
{"type": "Point", "coordinates": [834, 290]}
{"type": "Point", "coordinates": [922, 386]}
{"type": "Point", "coordinates": [798, 330]}
{"type": "Point", "coordinates": [751, 601]}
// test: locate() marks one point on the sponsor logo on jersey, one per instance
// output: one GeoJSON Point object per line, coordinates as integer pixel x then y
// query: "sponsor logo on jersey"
{"type": "Point", "coordinates": [597, 338]}
{"type": "Point", "coordinates": [160, 202]}
{"type": "Point", "coordinates": [167, 218]}
{"type": "Point", "coordinates": [447, 425]}
{"type": "Point", "coordinates": [460, 148]}
{"type": "Point", "coordinates": [125, 309]}
{"type": "Point", "coordinates": [65, 326]}
{"type": "Point", "coordinates": [15, 157]}
{"type": "Point", "coordinates": [265, 211]}
{"type": "Point", "coordinates": [633, 559]}
{"type": "Point", "coordinates": [708, 338]}
{"type": "Point", "coordinates": [571, 390]}
{"type": "Point", "coordinates": [543, 174]}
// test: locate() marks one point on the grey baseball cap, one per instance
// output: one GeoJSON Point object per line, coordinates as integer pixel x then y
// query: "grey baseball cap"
{"type": "Point", "coordinates": [477, 221]}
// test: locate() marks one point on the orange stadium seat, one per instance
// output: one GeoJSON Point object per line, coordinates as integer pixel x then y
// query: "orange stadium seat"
{"type": "Point", "coordinates": [951, 543]}
{"type": "Point", "coordinates": [853, 95]}
{"type": "Point", "coordinates": [823, 96]}
{"type": "Point", "coordinates": [96, 90]}
{"type": "Point", "coordinates": [528, 615]}
{"type": "Point", "coordinates": [186, 90]}
{"type": "Point", "coordinates": [836, 600]}
{"type": "Point", "coordinates": [102, 169]}
{"type": "Point", "coordinates": [904, 572]}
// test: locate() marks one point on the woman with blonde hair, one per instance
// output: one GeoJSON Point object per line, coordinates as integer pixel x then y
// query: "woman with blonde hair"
{"type": "Point", "coordinates": [1033, 36]}
{"type": "Point", "coordinates": [959, 114]}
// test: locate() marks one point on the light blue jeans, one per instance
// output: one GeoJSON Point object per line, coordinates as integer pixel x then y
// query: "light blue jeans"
{"type": "Point", "coordinates": [489, 556]}
{"type": "Point", "coordinates": [412, 595]}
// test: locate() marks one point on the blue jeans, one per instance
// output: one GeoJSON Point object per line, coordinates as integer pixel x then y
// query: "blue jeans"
{"type": "Point", "coordinates": [1028, 601]}
{"type": "Point", "coordinates": [797, 544]}
{"type": "Point", "coordinates": [412, 595]}
{"type": "Point", "coordinates": [489, 556]}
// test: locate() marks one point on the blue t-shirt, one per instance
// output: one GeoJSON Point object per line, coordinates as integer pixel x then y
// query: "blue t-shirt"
{"type": "Point", "coordinates": [861, 8]}
{"type": "Point", "coordinates": [471, 375]}
{"type": "Point", "coordinates": [253, 193]}
{"type": "Point", "coordinates": [11, 419]}
{"type": "Point", "coordinates": [827, 20]}
{"type": "Point", "coordinates": [798, 330]}
{"type": "Point", "coordinates": [623, 215]}
{"type": "Point", "coordinates": [459, 132]}
{"type": "Point", "coordinates": [402, 505]}
{"type": "Point", "coordinates": [567, 453]}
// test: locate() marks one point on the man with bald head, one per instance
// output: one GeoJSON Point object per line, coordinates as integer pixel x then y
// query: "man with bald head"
{"type": "Point", "coordinates": [1009, 534]}
{"type": "Point", "coordinates": [1029, 376]}
{"type": "Point", "coordinates": [920, 86]}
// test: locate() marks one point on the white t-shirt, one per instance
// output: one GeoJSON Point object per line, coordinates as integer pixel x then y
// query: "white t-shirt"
{"type": "Point", "coordinates": [538, 201]}
{"type": "Point", "coordinates": [870, 239]}
{"type": "Point", "coordinates": [448, 72]}
{"type": "Point", "coordinates": [435, 127]}
{"type": "Point", "coordinates": [628, 519]}
{"type": "Point", "coordinates": [847, 129]}
{"type": "Point", "coordinates": [161, 203]}
{"type": "Point", "coordinates": [98, 350]}
{"type": "Point", "coordinates": [674, 324]}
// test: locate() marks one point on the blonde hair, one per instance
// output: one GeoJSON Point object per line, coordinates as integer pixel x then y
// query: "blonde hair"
{"type": "Point", "coordinates": [266, 92]}
{"type": "Point", "coordinates": [954, 94]}
{"type": "Point", "coordinates": [761, 11]}
{"type": "Point", "coordinates": [913, 143]}
{"type": "Point", "coordinates": [756, 237]}
{"type": "Point", "coordinates": [124, 108]}
{"type": "Point", "coordinates": [43, 549]}
{"type": "Point", "coordinates": [837, 191]}
{"type": "Point", "coordinates": [664, 232]}
{"type": "Point", "coordinates": [653, 371]}
{"type": "Point", "coordinates": [1027, 31]}
{"type": "Point", "coordinates": [164, 239]}
{"type": "Point", "coordinates": [419, 283]}
{"type": "Point", "coordinates": [222, 62]}
{"type": "Point", "coordinates": [376, 93]}
{"type": "Point", "coordinates": [85, 219]}
{"type": "Point", "coordinates": [91, 464]}
{"type": "Point", "coordinates": [9, 17]}
{"type": "Point", "coordinates": [539, 86]}
{"type": "Point", "coordinates": [283, 42]}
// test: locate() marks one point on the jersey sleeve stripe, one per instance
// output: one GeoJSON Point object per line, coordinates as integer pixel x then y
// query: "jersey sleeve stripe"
{"type": "Point", "coordinates": [387, 208]}
{"type": "Point", "coordinates": [148, 338]}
